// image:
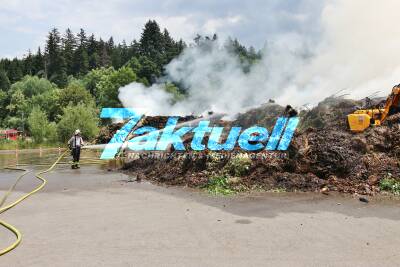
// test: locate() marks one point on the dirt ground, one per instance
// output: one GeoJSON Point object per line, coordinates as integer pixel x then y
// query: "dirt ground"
{"type": "Point", "coordinates": [91, 217]}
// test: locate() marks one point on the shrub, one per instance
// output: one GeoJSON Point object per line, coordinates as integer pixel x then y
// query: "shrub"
{"type": "Point", "coordinates": [78, 117]}
{"type": "Point", "coordinates": [75, 94]}
{"type": "Point", "coordinates": [39, 126]}
{"type": "Point", "coordinates": [390, 185]}
{"type": "Point", "coordinates": [238, 166]}
{"type": "Point", "coordinates": [218, 185]}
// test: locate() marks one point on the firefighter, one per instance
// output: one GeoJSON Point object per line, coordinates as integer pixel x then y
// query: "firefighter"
{"type": "Point", "coordinates": [75, 144]}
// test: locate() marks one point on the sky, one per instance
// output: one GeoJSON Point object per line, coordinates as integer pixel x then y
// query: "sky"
{"type": "Point", "coordinates": [24, 24]}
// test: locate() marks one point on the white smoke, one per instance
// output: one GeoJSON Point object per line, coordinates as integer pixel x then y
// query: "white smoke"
{"type": "Point", "coordinates": [356, 51]}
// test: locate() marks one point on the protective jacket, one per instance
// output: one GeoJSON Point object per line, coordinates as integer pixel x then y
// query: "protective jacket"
{"type": "Point", "coordinates": [75, 141]}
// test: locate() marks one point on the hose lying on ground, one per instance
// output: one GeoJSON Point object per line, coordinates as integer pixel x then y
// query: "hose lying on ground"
{"type": "Point", "coordinates": [14, 230]}
{"type": "Point", "coordinates": [3, 200]}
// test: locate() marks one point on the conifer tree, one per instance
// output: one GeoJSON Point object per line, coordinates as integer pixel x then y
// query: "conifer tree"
{"type": "Point", "coordinates": [28, 64]}
{"type": "Point", "coordinates": [81, 58]}
{"type": "Point", "coordinates": [105, 59]}
{"type": "Point", "coordinates": [53, 53]}
{"type": "Point", "coordinates": [151, 42]}
{"type": "Point", "coordinates": [69, 45]}
{"type": "Point", "coordinates": [81, 61]}
{"type": "Point", "coordinates": [38, 63]}
{"type": "Point", "coordinates": [14, 72]}
{"type": "Point", "coordinates": [4, 81]}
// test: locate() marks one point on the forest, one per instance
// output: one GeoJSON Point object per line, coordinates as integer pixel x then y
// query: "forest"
{"type": "Point", "coordinates": [47, 94]}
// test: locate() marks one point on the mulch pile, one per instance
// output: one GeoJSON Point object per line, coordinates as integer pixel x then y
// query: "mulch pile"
{"type": "Point", "coordinates": [324, 154]}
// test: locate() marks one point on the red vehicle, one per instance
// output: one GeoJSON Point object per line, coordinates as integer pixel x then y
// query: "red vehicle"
{"type": "Point", "coordinates": [9, 134]}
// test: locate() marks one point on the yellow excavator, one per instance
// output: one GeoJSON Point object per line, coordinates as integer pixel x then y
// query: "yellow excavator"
{"type": "Point", "coordinates": [363, 118]}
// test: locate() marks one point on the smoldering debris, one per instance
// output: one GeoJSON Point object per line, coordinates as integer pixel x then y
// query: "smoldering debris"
{"type": "Point", "coordinates": [323, 155]}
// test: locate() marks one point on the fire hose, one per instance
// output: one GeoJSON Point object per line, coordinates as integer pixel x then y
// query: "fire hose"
{"type": "Point", "coordinates": [11, 228]}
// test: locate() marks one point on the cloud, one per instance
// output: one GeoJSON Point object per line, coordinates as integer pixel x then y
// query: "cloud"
{"type": "Point", "coordinates": [27, 23]}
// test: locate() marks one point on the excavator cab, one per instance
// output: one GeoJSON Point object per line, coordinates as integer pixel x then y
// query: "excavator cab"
{"type": "Point", "coordinates": [363, 118]}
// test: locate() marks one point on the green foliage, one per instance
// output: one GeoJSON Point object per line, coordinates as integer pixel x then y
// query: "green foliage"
{"type": "Point", "coordinates": [75, 81]}
{"type": "Point", "coordinates": [92, 79]}
{"type": "Point", "coordinates": [4, 99]}
{"type": "Point", "coordinates": [238, 166]}
{"type": "Point", "coordinates": [80, 117]}
{"type": "Point", "coordinates": [134, 64]}
{"type": "Point", "coordinates": [157, 47]}
{"type": "Point", "coordinates": [172, 89]}
{"type": "Point", "coordinates": [48, 102]}
{"type": "Point", "coordinates": [94, 60]}
{"type": "Point", "coordinates": [60, 76]}
{"type": "Point", "coordinates": [72, 54]}
{"type": "Point", "coordinates": [6, 144]}
{"type": "Point", "coordinates": [37, 122]}
{"type": "Point", "coordinates": [74, 94]}
{"type": "Point", "coordinates": [390, 185]}
{"type": "Point", "coordinates": [69, 44]}
{"type": "Point", "coordinates": [4, 81]}
{"type": "Point", "coordinates": [15, 122]}
{"type": "Point", "coordinates": [145, 69]}
{"type": "Point", "coordinates": [40, 128]}
{"type": "Point", "coordinates": [17, 107]}
{"type": "Point", "coordinates": [33, 85]}
{"type": "Point", "coordinates": [53, 52]}
{"type": "Point", "coordinates": [81, 61]}
{"type": "Point", "coordinates": [151, 43]}
{"type": "Point", "coordinates": [219, 185]}
{"type": "Point", "coordinates": [14, 70]}
{"type": "Point", "coordinates": [144, 81]}
{"type": "Point", "coordinates": [148, 70]}
{"type": "Point", "coordinates": [247, 56]}
{"type": "Point", "coordinates": [29, 92]}
{"type": "Point", "coordinates": [123, 76]}
{"type": "Point", "coordinates": [104, 58]}
{"type": "Point", "coordinates": [227, 180]}
{"type": "Point", "coordinates": [38, 62]}
{"type": "Point", "coordinates": [56, 63]}
{"type": "Point", "coordinates": [107, 88]}
{"type": "Point", "coordinates": [51, 133]}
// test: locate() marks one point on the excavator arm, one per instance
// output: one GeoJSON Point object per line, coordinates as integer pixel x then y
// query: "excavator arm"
{"type": "Point", "coordinates": [392, 103]}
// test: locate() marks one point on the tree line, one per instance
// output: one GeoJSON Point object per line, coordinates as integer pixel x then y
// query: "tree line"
{"type": "Point", "coordinates": [51, 92]}
{"type": "Point", "coordinates": [76, 55]}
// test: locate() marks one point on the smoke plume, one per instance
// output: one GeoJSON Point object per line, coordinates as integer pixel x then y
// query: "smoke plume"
{"type": "Point", "coordinates": [355, 50]}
